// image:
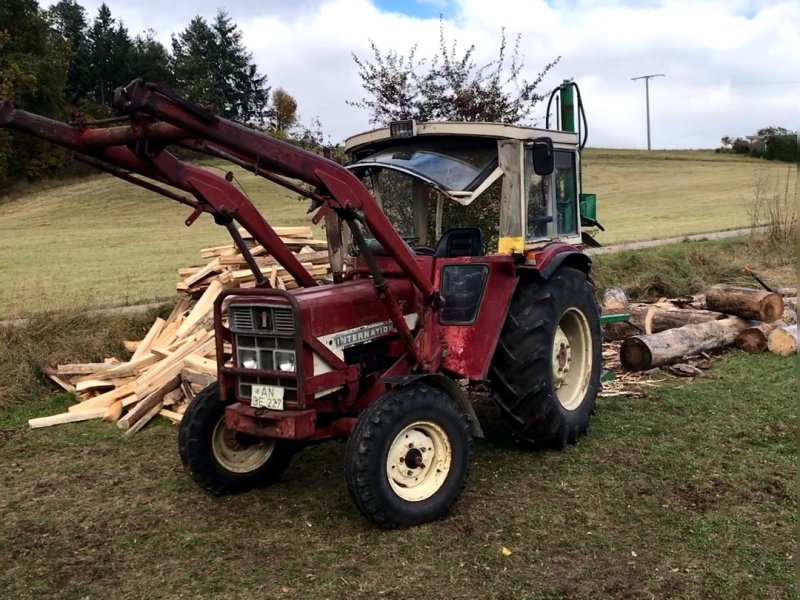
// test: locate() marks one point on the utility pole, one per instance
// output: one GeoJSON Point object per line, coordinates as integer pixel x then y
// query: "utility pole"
{"type": "Point", "coordinates": [647, 79]}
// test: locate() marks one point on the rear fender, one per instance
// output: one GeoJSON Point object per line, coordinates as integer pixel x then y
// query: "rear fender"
{"type": "Point", "coordinates": [447, 385]}
{"type": "Point", "coordinates": [554, 256]}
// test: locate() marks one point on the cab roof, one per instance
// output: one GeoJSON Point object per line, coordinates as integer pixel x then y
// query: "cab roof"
{"type": "Point", "coordinates": [497, 131]}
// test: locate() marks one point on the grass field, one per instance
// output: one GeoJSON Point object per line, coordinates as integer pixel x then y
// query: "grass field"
{"type": "Point", "coordinates": [687, 493]}
{"type": "Point", "coordinates": [662, 194]}
{"type": "Point", "coordinates": [101, 242]}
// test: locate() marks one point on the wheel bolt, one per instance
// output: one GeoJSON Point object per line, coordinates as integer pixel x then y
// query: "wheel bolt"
{"type": "Point", "coordinates": [410, 473]}
{"type": "Point", "coordinates": [402, 459]}
{"type": "Point", "coordinates": [410, 444]}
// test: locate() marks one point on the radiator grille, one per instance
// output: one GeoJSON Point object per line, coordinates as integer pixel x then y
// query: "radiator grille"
{"type": "Point", "coordinates": [260, 319]}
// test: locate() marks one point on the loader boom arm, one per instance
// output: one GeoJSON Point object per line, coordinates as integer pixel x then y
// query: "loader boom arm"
{"type": "Point", "coordinates": [157, 118]}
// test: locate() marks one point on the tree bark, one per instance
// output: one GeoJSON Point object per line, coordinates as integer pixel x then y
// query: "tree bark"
{"type": "Point", "coordinates": [754, 339]}
{"type": "Point", "coordinates": [642, 352]}
{"type": "Point", "coordinates": [661, 317]}
{"type": "Point", "coordinates": [746, 303]}
{"type": "Point", "coordinates": [783, 340]}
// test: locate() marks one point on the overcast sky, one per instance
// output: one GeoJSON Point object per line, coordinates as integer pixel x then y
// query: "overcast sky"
{"type": "Point", "coordinates": [732, 66]}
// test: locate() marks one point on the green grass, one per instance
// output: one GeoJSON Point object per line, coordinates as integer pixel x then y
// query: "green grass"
{"type": "Point", "coordinates": [660, 194]}
{"type": "Point", "coordinates": [687, 493]}
{"type": "Point", "coordinates": [98, 241]}
{"type": "Point", "coordinates": [691, 267]}
{"type": "Point", "coordinates": [104, 242]}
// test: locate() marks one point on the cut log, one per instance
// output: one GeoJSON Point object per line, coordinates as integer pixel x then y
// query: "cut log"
{"type": "Point", "coordinates": [173, 416]}
{"type": "Point", "coordinates": [642, 352]}
{"type": "Point", "coordinates": [66, 386]}
{"type": "Point", "coordinates": [754, 339]}
{"type": "Point", "coordinates": [104, 400]}
{"type": "Point", "coordinates": [84, 368]}
{"type": "Point", "coordinates": [145, 406]}
{"type": "Point", "coordinates": [653, 318]}
{"type": "Point", "coordinates": [113, 412]}
{"type": "Point", "coordinates": [67, 417]}
{"type": "Point", "coordinates": [664, 316]}
{"type": "Point", "coordinates": [144, 419]}
{"type": "Point", "coordinates": [200, 379]}
{"type": "Point", "coordinates": [147, 342]}
{"type": "Point", "coordinates": [746, 303]}
{"type": "Point", "coordinates": [783, 340]}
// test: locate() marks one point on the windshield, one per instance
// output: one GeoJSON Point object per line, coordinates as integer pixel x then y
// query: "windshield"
{"type": "Point", "coordinates": [452, 166]}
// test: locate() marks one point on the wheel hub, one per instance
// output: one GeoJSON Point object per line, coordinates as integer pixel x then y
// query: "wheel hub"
{"type": "Point", "coordinates": [418, 461]}
{"type": "Point", "coordinates": [562, 357]}
{"type": "Point", "coordinates": [238, 453]}
{"type": "Point", "coordinates": [572, 358]}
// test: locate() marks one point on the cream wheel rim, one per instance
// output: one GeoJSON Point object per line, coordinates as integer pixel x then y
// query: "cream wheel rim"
{"type": "Point", "coordinates": [236, 456]}
{"type": "Point", "coordinates": [419, 461]}
{"type": "Point", "coordinates": [572, 359]}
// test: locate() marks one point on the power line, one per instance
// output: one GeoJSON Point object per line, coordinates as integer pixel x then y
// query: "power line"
{"type": "Point", "coordinates": [647, 79]}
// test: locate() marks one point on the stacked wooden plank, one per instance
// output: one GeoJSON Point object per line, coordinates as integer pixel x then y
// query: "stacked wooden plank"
{"type": "Point", "coordinates": [670, 330]}
{"type": "Point", "coordinates": [177, 356]}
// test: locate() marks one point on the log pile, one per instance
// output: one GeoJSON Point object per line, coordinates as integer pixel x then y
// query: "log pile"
{"type": "Point", "coordinates": [176, 358]}
{"type": "Point", "coordinates": [670, 330]}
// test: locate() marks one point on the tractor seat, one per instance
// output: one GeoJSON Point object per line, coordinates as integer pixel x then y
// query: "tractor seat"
{"type": "Point", "coordinates": [460, 241]}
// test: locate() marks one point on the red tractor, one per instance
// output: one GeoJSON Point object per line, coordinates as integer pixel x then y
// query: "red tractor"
{"type": "Point", "coordinates": [456, 257]}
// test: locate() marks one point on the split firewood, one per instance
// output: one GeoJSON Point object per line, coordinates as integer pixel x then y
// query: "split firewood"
{"type": "Point", "coordinates": [67, 417]}
{"type": "Point", "coordinates": [783, 340]}
{"type": "Point", "coordinates": [113, 412]}
{"type": "Point", "coordinates": [177, 356]}
{"type": "Point", "coordinates": [147, 342]}
{"type": "Point", "coordinates": [146, 404]}
{"type": "Point", "coordinates": [754, 339]}
{"type": "Point", "coordinates": [746, 303]}
{"type": "Point", "coordinates": [144, 419]}
{"type": "Point", "coordinates": [643, 352]}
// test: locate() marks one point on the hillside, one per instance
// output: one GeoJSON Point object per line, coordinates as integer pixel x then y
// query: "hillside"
{"type": "Point", "coordinates": [99, 241]}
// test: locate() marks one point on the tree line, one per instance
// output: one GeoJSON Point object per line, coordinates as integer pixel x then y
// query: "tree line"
{"type": "Point", "coordinates": [771, 143]}
{"type": "Point", "coordinates": [60, 60]}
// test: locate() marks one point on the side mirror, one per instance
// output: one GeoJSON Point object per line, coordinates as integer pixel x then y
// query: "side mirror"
{"type": "Point", "coordinates": [543, 156]}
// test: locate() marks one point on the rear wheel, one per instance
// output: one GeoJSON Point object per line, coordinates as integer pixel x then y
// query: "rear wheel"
{"type": "Point", "coordinates": [408, 457]}
{"type": "Point", "coordinates": [547, 366]}
{"type": "Point", "coordinates": [222, 461]}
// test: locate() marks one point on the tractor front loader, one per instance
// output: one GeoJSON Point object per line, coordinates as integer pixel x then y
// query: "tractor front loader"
{"type": "Point", "coordinates": [419, 299]}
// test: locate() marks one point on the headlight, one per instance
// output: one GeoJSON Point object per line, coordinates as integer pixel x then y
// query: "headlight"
{"type": "Point", "coordinates": [248, 359]}
{"type": "Point", "coordinates": [284, 360]}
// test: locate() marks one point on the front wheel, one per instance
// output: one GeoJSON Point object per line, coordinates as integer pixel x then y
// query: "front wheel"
{"type": "Point", "coordinates": [408, 457]}
{"type": "Point", "coordinates": [222, 461]}
{"type": "Point", "coordinates": [546, 369]}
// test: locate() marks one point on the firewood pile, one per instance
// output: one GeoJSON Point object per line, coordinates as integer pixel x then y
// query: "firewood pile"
{"type": "Point", "coordinates": [670, 332]}
{"type": "Point", "coordinates": [176, 358]}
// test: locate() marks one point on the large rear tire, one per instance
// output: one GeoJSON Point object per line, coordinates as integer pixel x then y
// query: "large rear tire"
{"type": "Point", "coordinates": [408, 457]}
{"type": "Point", "coordinates": [222, 461]}
{"type": "Point", "coordinates": [546, 370]}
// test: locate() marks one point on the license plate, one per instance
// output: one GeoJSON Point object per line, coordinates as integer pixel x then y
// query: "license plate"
{"type": "Point", "coordinates": [267, 396]}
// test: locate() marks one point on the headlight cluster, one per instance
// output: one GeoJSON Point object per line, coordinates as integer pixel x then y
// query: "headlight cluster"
{"type": "Point", "coordinates": [282, 360]}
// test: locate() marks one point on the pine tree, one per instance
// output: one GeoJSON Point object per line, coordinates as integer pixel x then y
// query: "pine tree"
{"type": "Point", "coordinates": [212, 66]}
{"type": "Point", "coordinates": [33, 72]}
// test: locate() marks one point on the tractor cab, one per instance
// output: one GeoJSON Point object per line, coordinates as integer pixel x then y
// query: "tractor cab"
{"type": "Point", "coordinates": [466, 189]}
